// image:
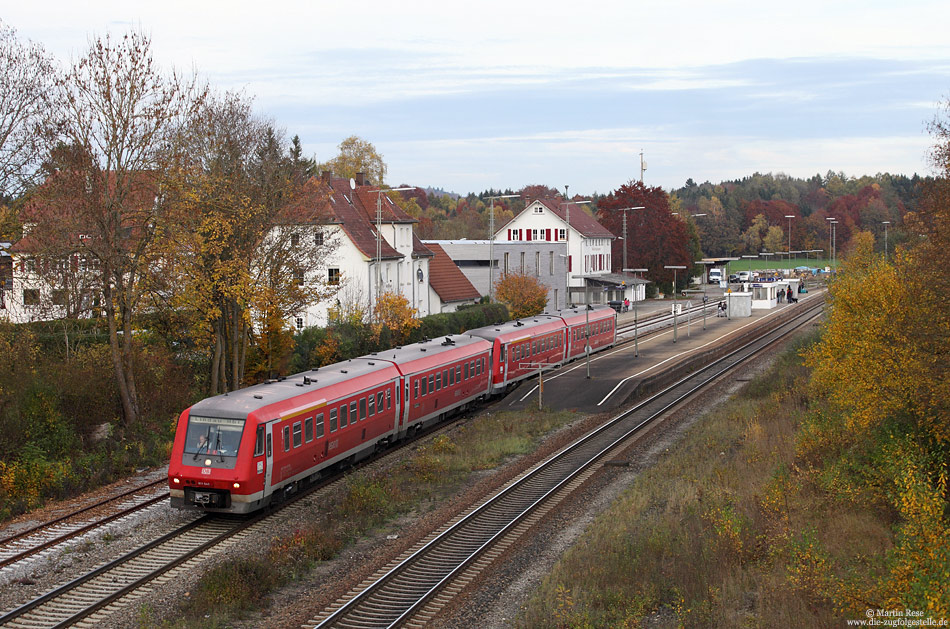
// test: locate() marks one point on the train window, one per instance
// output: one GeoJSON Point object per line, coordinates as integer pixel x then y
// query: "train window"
{"type": "Point", "coordinates": [372, 405]}
{"type": "Point", "coordinates": [286, 438]}
{"type": "Point", "coordinates": [534, 347]}
{"type": "Point", "coordinates": [298, 434]}
{"type": "Point", "coordinates": [269, 445]}
{"type": "Point", "coordinates": [465, 371]}
{"type": "Point", "coordinates": [479, 366]}
{"type": "Point", "coordinates": [259, 442]}
{"type": "Point", "coordinates": [308, 429]}
{"type": "Point", "coordinates": [362, 408]}
{"type": "Point", "coordinates": [445, 377]}
{"type": "Point", "coordinates": [333, 422]}
{"type": "Point", "coordinates": [458, 373]}
{"type": "Point", "coordinates": [431, 383]}
{"type": "Point", "coordinates": [353, 412]}
{"type": "Point", "coordinates": [451, 375]}
{"type": "Point", "coordinates": [438, 380]}
{"type": "Point", "coordinates": [416, 389]}
{"type": "Point", "coordinates": [343, 408]}
{"type": "Point", "coordinates": [389, 399]}
{"type": "Point", "coordinates": [320, 422]}
{"type": "Point", "coordinates": [425, 389]}
{"type": "Point", "coordinates": [379, 400]}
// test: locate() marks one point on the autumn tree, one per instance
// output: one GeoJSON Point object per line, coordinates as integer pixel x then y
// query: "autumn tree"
{"type": "Point", "coordinates": [394, 313]}
{"type": "Point", "coordinates": [247, 231]}
{"type": "Point", "coordinates": [655, 236]}
{"type": "Point", "coordinates": [27, 111]}
{"type": "Point", "coordinates": [357, 156]}
{"type": "Point", "coordinates": [120, 127]}
{"type": "Point", "coordinates": [524, 294]}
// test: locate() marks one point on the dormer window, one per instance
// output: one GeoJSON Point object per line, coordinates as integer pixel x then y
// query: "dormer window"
{"type": "Point", "coordinates": [539, 210]}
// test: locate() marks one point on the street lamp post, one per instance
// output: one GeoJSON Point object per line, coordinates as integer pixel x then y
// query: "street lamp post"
{"type": "Point", "coordinates": [675, 268]}
{"type": "Point", "coordinates": [636, 342]}
{"type": "Point", "coordinates": [567, 241]}
{"type": "Point", "coordinates": [624, 238]}
{"type": "Point", "coordinates": [379, 235]}
{"type": "Point", "coordinates": [885, 223]}
{"type": "Point", "coordinates": [789, 217]}
{"type": "Point", "coordinates": [831, 247]}
{"type": "Point", "coordinates": [491, 243]}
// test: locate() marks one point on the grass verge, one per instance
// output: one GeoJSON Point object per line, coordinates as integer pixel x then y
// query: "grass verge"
{"type": "Point", "coordinates": [723, 532]}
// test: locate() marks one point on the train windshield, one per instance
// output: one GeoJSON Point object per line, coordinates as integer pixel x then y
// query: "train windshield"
{"type": "Point", "coordinates": [213, 436]}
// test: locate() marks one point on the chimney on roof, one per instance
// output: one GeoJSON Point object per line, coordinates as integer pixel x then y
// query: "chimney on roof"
{"type": "Point", "coordinates": [360, 179]}
{"type": "Point", "coordinates": [325, 175]}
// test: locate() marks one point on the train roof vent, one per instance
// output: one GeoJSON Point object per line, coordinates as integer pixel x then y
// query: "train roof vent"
{"type": "Point", "coordinates": [258, 396]}
{"type": "Point", "coordinates": [315, 369]}
{"type": "Point", "coordinates": [448, 341]}
{"type": "Point", "coordinates": [371, 362]}
{"type": "Point", "coordinates": [422, 349]}
{"type": "Point", "coordinates": [344, 371]}
{"type": "Point", "coordinates": [307, 380]}
{"type": "Point", "coordinates": [299, 384]}
{"type": "Point", "coordinates": [518, 324]}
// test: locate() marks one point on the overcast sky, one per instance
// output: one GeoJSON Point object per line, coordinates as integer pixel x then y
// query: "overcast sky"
{"type": "Point", "coordinates": [468, 96]}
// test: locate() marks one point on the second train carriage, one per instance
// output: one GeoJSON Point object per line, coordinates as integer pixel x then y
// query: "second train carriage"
{"type": "Point", "coordinates": [439, 376]}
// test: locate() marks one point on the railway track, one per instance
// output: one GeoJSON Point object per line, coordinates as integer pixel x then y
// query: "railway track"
{"type": "Point", "coordinates": [51, 534]}
{"type": "Point", "coordinates": [413, 589]}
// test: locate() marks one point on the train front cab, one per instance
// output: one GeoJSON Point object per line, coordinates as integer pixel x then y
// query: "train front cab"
{"type": "Point", "coordinates": [208, 467]}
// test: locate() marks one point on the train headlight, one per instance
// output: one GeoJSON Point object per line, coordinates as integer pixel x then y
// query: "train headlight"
{"type": "Point", "coordinates": [237, 485]}
{"type": "Point", "coordinates": [207, 462]}
{"type": "Point", "coordinates": [176, 480]}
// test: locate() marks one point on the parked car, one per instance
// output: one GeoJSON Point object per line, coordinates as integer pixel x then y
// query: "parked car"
{"type": "Point", "coordinates": [733, 278]}
{"type": "Point", "coordinates": [745, 276]}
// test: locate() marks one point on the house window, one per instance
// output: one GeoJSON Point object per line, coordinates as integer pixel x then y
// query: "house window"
{"type": "Point", "coordinates": [299, 322]}
{"type": "Point", "coordinates": [562, 234]}
{"type": "Point", "coordinates": [295, 240]}
{"type": "Point", "coordinates": [298, 277]}
{"type": "Point", "coordinates": [31, 297]}
{"type": "Point", "coordinates": [318, 238]}
{"type": "Point", "coordinates": [59, 297]}
{"type": "Point", "coordinates": [333, 277]}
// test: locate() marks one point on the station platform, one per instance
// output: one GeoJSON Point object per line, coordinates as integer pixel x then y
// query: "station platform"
{"type": "Point", "coordinates": [615, 374]}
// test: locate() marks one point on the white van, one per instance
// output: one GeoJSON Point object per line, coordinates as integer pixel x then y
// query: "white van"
{"type": "Point", "coordinates": [715, 276]}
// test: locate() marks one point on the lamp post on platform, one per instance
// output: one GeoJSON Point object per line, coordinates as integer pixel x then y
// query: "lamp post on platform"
{"type": "Point", "coordinates": [636, 343]}
{"type": "Point", "coordinates": [379, 235]}
{"type": "Point", "coordinates": [790, 217]}
{"type": "Point", "coordinates": [491, 243]}
{"type": "Point", "coordinates": [675, 269]}
{"type": "Point", "coordinates": [567, 240]}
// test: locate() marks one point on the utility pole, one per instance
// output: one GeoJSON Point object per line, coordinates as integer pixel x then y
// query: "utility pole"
{"type": "Point", "coordinates": [643, 165]}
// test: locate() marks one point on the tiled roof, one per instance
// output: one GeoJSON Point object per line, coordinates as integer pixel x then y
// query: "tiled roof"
{"type": "Point", "coordinates": [420, 249]}
{"type": "Point", "coordinates": [447, 280]}
{"type": "Point", "coordinates": [581, 221]}
{"type": "Point", "coordinates": [350, 212]}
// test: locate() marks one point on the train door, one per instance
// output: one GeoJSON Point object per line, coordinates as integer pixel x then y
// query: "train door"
{"type": "Point", "coordinates": [269, 455]}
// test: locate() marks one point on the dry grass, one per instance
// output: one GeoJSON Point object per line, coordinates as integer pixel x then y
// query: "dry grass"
{"type": "Point", "coordinates": [723, 532]}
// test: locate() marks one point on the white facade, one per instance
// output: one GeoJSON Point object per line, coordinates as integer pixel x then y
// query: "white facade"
{"type": "Point", "coordinates": [588, 243]}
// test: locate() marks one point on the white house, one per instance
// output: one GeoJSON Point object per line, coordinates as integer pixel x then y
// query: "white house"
{"type": "Point", "coordinates": [588, 243]}
{"type": "Point", "coordinates": [362, 265]}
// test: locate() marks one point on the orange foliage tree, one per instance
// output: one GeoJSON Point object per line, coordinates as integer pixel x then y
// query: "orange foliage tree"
{"type": "Point", "coordinates": [394, 313]}
{"type": "Point", "coordinates": [524, 295]}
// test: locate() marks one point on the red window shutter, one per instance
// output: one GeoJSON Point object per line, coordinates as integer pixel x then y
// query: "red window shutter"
{"type": "Point", "coordinates": [520, 234]}
{"type": "Point", "coordinates": [570, 260]}
{"type": "Point", "coordinates": [509, 234]}
{"type": "Point", "coordinates": [547, 235]}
